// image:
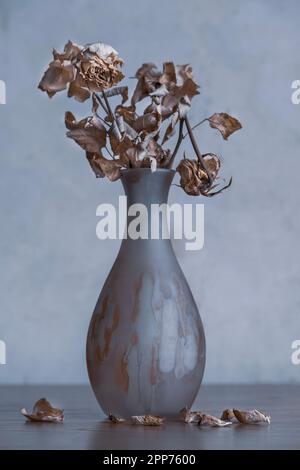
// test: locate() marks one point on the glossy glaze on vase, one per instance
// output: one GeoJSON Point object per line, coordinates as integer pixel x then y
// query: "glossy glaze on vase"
{"type": "Point", "coordinates": [146, 344]}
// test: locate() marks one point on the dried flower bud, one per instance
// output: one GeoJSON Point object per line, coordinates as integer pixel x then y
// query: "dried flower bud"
{"type": "Point", "coordinates": [115, 419]}
{"type": "Point", "coordinates": [251, 417]}
{"type": "Point", "coordinates": [189, 416]}
{"type": "Point", "coordinates": [193, 179]}
{"type": "Point", "coordinates": [228, 415]}
{"type": "Point", "coordinates": [147, 420]}
{"type": "Point", "coordinates": [44, 411]}
{"type": "Point", "coordinates": [212, 421]}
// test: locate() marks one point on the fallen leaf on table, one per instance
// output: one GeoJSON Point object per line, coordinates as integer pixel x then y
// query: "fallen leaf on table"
{"type": "Point", "coordinates": [209, 420]}
{"type": "Point", "coordinates": [115, 419]}
{"type": "Point", "coordinates": [44, 411]}
{"type": "Point", "coordinates": [189, 416]}
{"type": "Point", "coordinates": [251, 417]}
{"type": "Point", "coordinates": [147, 420]}
{"type": "Point", "coordinates": [228, 415]}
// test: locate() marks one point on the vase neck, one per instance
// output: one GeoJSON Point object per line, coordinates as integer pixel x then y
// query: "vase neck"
{"type": "Point", "coordinates": [145, 187]}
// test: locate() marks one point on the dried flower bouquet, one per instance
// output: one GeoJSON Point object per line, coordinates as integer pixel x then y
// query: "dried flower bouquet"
{"type": "Point", "coordinates": [119, 138]}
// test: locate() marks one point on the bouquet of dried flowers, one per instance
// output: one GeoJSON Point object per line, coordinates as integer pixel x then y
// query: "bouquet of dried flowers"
{"type": "Point", "coordinates": [120, 137]}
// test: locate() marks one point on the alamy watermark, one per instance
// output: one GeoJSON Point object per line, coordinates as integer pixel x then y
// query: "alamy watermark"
{"type": "Point", "coordinates": [295, 96]}
{"type": "Point", "coordinates": [2, 352]}
{"type": "Point", "coordinates": [184, 221]}
{"type": "Point", "coordinates": [295, 357]}
{"type": "Point", "coordinates": [2, 92]}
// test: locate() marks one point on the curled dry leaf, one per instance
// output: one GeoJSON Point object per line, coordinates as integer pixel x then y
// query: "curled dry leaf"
{"type": "Point", "coordinates": [57, 77]}
{"type": "Point", "coordinates": [115, 419]}
{"type": "Point", "coordinates": [251, 417]}
{"type": "Point", "coordinates": [44, 411]}
{"type": "Point", "coordinates": [208, 420]}
{"type": "Point", "coordinates": [228, 415]}
{"type": "Point", "coordinates": [101, 166]}
{"type": "Point", "coordinates": [89, 133]}
{"type": "Point", "coordinates": [225, 123]}
{"type": "Point", "coordinates": [189, 416]}
{"type": "Point", "coordinates": [147, 420]}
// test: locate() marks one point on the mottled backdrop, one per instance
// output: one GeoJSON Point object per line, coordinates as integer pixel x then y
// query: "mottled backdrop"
{"type": "Point", "coordinates": [246, 279]}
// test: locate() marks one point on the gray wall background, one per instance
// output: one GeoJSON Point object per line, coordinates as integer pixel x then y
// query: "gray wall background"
{"type": "Point", "coordinates": [246, 279]}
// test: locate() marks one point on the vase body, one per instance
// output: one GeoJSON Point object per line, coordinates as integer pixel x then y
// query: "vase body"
{"type": "Point", "coordinates": [146, 344]}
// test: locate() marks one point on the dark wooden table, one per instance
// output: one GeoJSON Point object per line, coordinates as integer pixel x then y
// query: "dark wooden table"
{"type": "Point", "coordinates": [86, 427]}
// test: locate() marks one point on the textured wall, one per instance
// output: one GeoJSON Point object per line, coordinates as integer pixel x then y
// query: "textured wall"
{"type": "Point", "coordinates": [246, 279]}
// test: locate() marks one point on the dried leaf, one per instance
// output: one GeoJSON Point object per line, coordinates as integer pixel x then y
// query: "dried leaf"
{"type": "Point", "coordinates": [171, 127]}
{"type": "Point", "coordinates": [228, 415]}
{"type": "Point", "coordinates": [121, 90]}
{"type": "Point", "coordinates": [147, 420]}
{"type": "Point", "coordinates": [110, 168]}
{"type": "Point", "coordinates": [225, 123]}
{"type": "Point", "coordinates": [89, 133]}
{"type": "Point", "coordinates": [115, 419]}
{"type": "Point", "coordinates": [189, 416]}
{"type": "Point", "coordinates": [56, 77]}
{"type": "Point", "coordinates": [251, 417]}
{"type": "Point", "coordinates": [71, 51]}
{"type": "Point", "coordinates": [148, 81]}
{"type": "Point", "coordinates": [43, 411]}
{"type": "Point", "coordinates": [208, 420]}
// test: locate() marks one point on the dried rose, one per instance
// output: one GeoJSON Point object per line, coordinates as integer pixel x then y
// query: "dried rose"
{"type": "Point", "coordinates": [147, 420]}
{"type": "Point", "coordinates": [251, 417]}
{"type": "Point", "coordinates": [225, 123]}
{"type": "Point", "coordinates": [100, 66]}
{"type": "Point", "coordinates": [115, 419]}
{"type": "Point", "coordinates": [44, 411]}
{"type": "Point", "coordinates": [209, 420]}
{"type": "Point", "coordinates": [94, 67]}
{"type": "Point", "coordinates": [189, 416]}
{"type": "Point", "coordinates": [193, 179]}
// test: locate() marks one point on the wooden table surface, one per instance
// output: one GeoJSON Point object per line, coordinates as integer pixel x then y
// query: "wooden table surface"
{"type": "Point", "coordinates": [85, 426]}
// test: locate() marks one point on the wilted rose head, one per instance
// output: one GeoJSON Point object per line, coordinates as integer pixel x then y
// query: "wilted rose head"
{"type": "Point", "coordinates": [194, 179]}
{"type": "Point", "coordinates": [90, 68]}
{"type": "Point", "coordinates": [100, 66]}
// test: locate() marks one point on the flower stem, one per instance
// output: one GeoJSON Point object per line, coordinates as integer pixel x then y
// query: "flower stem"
{"type": "Point", "coordinates": [110, 113]}
{"type": "Point", "coordinates": [196, 149]}
{"type": "Point", "coordinates": [195, 126]}
{"type": "Point", "coordinates": [180, 138]}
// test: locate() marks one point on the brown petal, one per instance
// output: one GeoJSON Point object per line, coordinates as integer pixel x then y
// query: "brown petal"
{"type": "Point", "coordinates": [115, 419]}
{"type": "Point", "coordinates": [56, 77]}
{"type": "Point", "coordinates": [77, 88]}
{"type": "Point", "coordinates": [212, 164]}
{"type": "Point", "coordinates": [209, 420]}
{"type": "Point", "coordinates": [147, 420]}
{"type": "Point", "coordinates": [251, 417]}
{"type": "Point", "coordinates": [189, 416]}
{"type": "Point", "coordinates": [225, 123]}
{"type": "Point", "coordinates": [89, 133]}
{"type": "Point", "coordinates": [43, 411]}
{"type": "Point", "coordinates": [228, 415]}
{"type": "Point", "coordinates": [71, 50]}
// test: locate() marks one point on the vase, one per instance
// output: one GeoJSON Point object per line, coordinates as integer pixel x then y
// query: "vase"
{"type": "Point", "coordinates": [146, 343]}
